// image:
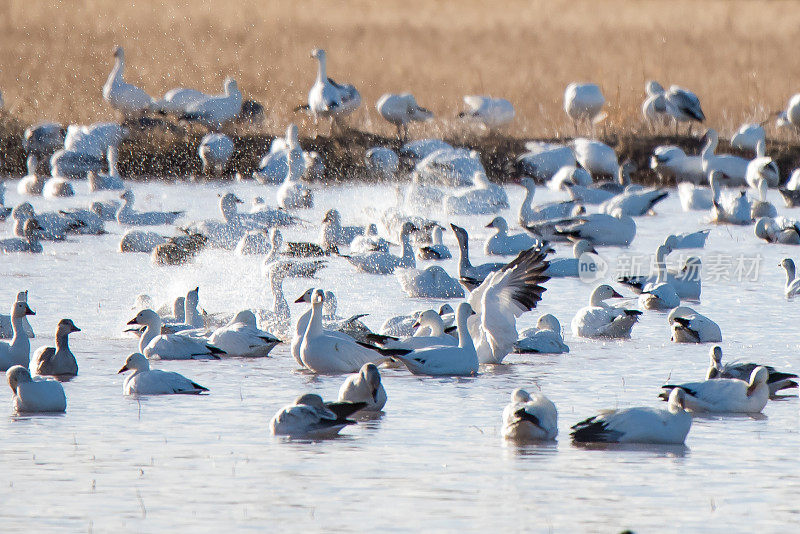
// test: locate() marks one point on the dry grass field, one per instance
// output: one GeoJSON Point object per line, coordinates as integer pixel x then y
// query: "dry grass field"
{"type": "Point", "coordinates": [740, 57]}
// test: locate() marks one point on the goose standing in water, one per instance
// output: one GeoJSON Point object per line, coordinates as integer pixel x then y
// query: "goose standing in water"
{"type": "Point", "coordinates": [58, 360]}
{"type": "Point", "coordinates": [491, 113]}
{"type": "Point", "coordinates": [329, 99]}
{"type": "Point", "coordinates": [529, 418]}
{"type": "Point", "coordinates": [18, 352]}
{"type": "Point", "coordinates": [436, 250]}
{"type": "Point", "coordinates": [241, 337]}
{"type": "Point", "coordinates": [638, 425]}
{"type": "Point", "coordinates": [385, 262]}
{"type": "Point", "coordinates": [217, 110]}
{"type": "Point", "coordinates": [725, 396]}
{"type": "Point", "coordinates": [6, 328]}
{"type": "Point", "coordinates": [792, 287]}
{"type": "Point", "coordinates": [35, 396]}
{"type": "Point", "coordinates": [126, 214]}
{"type": "Point", "coordinates": [146, 381]}
{"type": "Point", "coordinates": [584, 102]}
{"type": "Point", "coordinates": [503, 244]}
{"type": "Point", "coordinates": [400, 110]}
{"type": "Point", "coordinates": [776, 380]}
{"type": "Point", "coordinates": [156, 346]}
{"type": "Point", "coordinates": [366, 387]}
{"type": "Point", "coordinates": [215, 150]}
{"type": "Point", "coordinates": [599, 320]}
{"type": "Point", "coordinates": [33, 183]}
{"type": "Point", "coordinates": [544, 339]}
{"type": "Point", "coordinates": [122, 96]}
{"type": "Point", "coordinates": [310, 417]}
{"type": "Point", "coordinates": [471, 275]}
{"type": "Point", "coordinates": [688, 326]}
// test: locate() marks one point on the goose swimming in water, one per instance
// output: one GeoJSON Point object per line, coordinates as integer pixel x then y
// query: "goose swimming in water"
{"type": "Point", "coordinates": [310, 417]}
{"type": "Point", "coordinates": [529, 418]}
{"type": "Point", "coordinates": [595, 157]}
{"type": "Point", "coordinates": [638, 425]}
{"type": "Point", "coordinates": [365, 387]}
{"type": "Point", "coordinates": [671, 163]}
{"type": "Point", "coordinates": [58, 360]}
{"type": "Point", "coordinates": [599, 320]}
{"type": "Point", "coordinates": [503, 244]}
{"type": "Point", "coordinates": [6, 328]}
{"type": "Point", "coordinates": [776, 380]}
{"type": "Point", "coordinates": [18, 352]}
{"type": "Point", "coordinates": [146, 381]}
{"type": "Point", "coordinates": [385, 262]}
{"type": "Point", "coordinates": [35, 395]}
{"type": "Point", "coordinates": [725, 396]}
{"type": "Point", "coordinates": [688, 326]}
{"type": "Point", "coordinates": [660, 295]}
{"type": "Point", "coordinates": [570, 267]}
{"type": "Point", "coordinates": [122, 96]}
{"type": "Point", "coordinates": [482, 198]}
{"type": "Point", "coordinates": [156, 346]}
{"type": "Point", "coordinates": [57, 188]}
{"type": "Point", "coordinates": [544, 339]}
{"type": "Point", "coordinates": [529, 213]}
{"type": "Point", "coordinates": [792, 287]}
{"type": "Point", "coordinates": [127, 215]}
{"type": "Point", "coordinates": [471, 275]}
{"type": "Point", "coordinates": [785, 233]}
{"type": "Point", "coordinates": [242, 338]}
{"type": "Point", "coordinates": [332, 233]}
{"type": "Point", "coordinates": [614, 229]}
{"type": "Point", "coordinates": [436, 250]}
{"type": "Point", "coordinates": [431, 283]}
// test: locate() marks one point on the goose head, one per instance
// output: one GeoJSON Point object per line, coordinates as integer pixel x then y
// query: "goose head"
{"type": "Point", "coordinates": [581, 247]}
{"type": "Point", "coordinates": [370, 374]}
{"type": "Point", "coordinates": [446, 309]}
{"type": "Point", "coordinates": [715, 353]}
{"type": "Point", "coordinates": [20, 309]}
{"type": "Point", "coordinates": [520, 395]}
{"type": "Point", "coordinates": [135, 362]}
{"type": "Point", "coordinates": [680, 312]}
{"type": "Point", "coordinates": [22, 211]}
{"type": "Point", "coordinates": [127, 196]}
{"type": "Point", "coordinates": [548, 321]}
{"type": "Point", "coordinates": [461, 236]}
{"type": "Point", "coordinates": [147, 318]}
{"type": "Point", "coordinates": [314, 401]}
{"type": "Point", "coordinates": [245, 317]}
{"type": "Point", "coordinates": [758, 378]}
{"type": "Point", "coordinates": [788, 265]}
{"type": "Point", "coordinates": [677, 400]}
{"type": "Point", "coordinates": [31, 228]}
{"type": "Point", "coordinates": [318, 54]}
{"type": "Point", "coordinates": [16, 375]}
{"type": "Point", "coordinates": [499, 224]}
{"type": "Point", "coordinates": [408, 229]}
{"type": "Point", "coordinates": [119, 53]}
{"type": "Point", "coordinates": [427, 318]}
{"type": "Point", "coordinates": [66, 327]}
{"type": "Point", "coordinates": [318, 298]}
{"type": "Point", "coordinates": [603, 292]}
{"type": "Point", "coordinates": [653, 88]}
{"type": "Point", "coordinates": [306, 296]}
{"type": "Point", "coordinates": [231, 87]}
{"type": "Point", "coordinates": [332, 216]}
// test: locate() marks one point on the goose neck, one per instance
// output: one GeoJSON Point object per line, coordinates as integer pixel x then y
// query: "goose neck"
{"type": "Point", "coordinates": [464, 337]}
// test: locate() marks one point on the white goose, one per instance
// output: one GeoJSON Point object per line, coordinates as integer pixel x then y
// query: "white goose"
{"type": "Point", "coordinates": [503, 244]}
{"type": "Point", "coordinates": [6, 328]}
{"type": "Point", "coordinates": [529, 213]}
{"type": "Point", "coordinates": [731, 208]}
{"type": "Point", "coordinates": [140, 241]}
{"type": "Point", "coordinates": [748, 136]}
{"type": "Point", "coordinates": [503, 297]}
{"type": "Point", "coordinates": [292, 194]}
{"type": "Point", "coordinates": [695, 197]}
{"type": "Point", "coordinates": [146, 381]}
{"type": "Point", "coordinates": [569, 267]}
{"type": "Point", "coordinates": [483, 197]}
{"type": "Point", "coordinates": [584, 102]}
{"type": "Point", "coordinates": [383, 262]}
{"type": "Point", "coordinates": [328, 98]}
{"type": "Point", "coordinates": [660, 295]}
{"type": "Point", "coordinates": [35, 396]}
{"type": "Point", "coordinates": [633, 203]}
{"type": "Point", "coordinates": [600, 229]}
{"type": "Point", "coordinates": [382, 162]}
{"type": "Point", "coordinates": [471, 275]}
{"type": "Point", "coordinates": [179, 99]}
{"type": "Point", "coordinates": [156, 346]}
{"type": "Point", "coordinates": [217, 110]}
{"type": "Point", "coordinates": [529, 418]}
{"type": "Point", "coordinates": [310, 417]}
{"type": "Point", "coordinates": [291, 268]}
{"type": "Point", "coordinates": [122, 96]}
{"type": "Point", "coordinates": [786, 233]}
{"type": "Point", "coordinates": [762, 167]}
{"type": "Point", "coordinates": [544, 339]}
{"type": "Point", "coordinates": [654, 108]}
{"type": "Point", "coordinates": [569, 175]}
{"type": "Point", "coordinates": [792, 287]}
{"type": "Point", "coordinates": [332, 233]}
{"type": "Point", "coordinates": [274, 167]}
{"type": "Point", "coordinates": [436, 250]}
{"type": "Point", "coordinates": [790, 117]}
{"type": "Point", "coordinates": [446, 360]}
{"type": "Point", "coordinates": [491, 113]}
{"type": "Point", "coordinates": [57, 187]}
{"type": "Point", "coordinates": [431, 283]}
{"type": "Point", "coordinates": [733, 169]}
{"type": "Point", "coordinates": [776, 381]}
{"type": "Point", "coordinates": [226, 233]}
{"type": "Point", "coordinates": [638, 425]}
{"type": "Point", "coordinates": [58, 360]}
{"type": "Point", "coordinates": [241, 337]}
{"type": "Point", "coordinates": [761, 207]}
{"type": "Point", "coordinates": [543, 160]}
{"type": "Point", "coordinates": [688, 326]}
{"type": "Point", "coordinates": [428, 332]}
{"type": "Point", "coordinates": [671, 163]}
{"type": "Point", "coordinates": [454, 167]}
{"type": "Point", "coordinates": [595, 157]}
{"type": "Point", "coordinates": [684, 106]}
{"type": "Point", "coordinates": [33, 183]}
{"type": "Point", "coordinates": [725, 396]}
{"type": "Point", "coordinates": [215, 150]}
{"type": "Point", "coordinates": [687, 281]}
{"type": "Point", "coordinates": [400, 110]}
{"type": "Point", "coordinates": [599, 320]}
{"type": "Point", "coordinates": [18, 352]}
{"type": "Point", "coordinates": [366, 387]}
{"type": "Point", "coordinates": [126, 214]}
{"type": "Point", "coordinates": [107, 182]}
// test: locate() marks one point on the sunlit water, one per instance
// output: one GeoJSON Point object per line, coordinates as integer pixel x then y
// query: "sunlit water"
{"type": "Point", "coordinates": [435, 460]}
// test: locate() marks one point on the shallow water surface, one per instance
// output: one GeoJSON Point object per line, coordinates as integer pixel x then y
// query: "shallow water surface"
{"type": "Point", "coordinates": [435, 459]}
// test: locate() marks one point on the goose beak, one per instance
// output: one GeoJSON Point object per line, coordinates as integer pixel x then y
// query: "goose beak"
{"type": "Point", "coordinates": [124, 368]}
{"type": "Point", "coordinates": [29, 311]}
{"type": "Point", "coordinates": [490, 225]}
{"type": "Point", "coordinates": [616, 295]}
{"type": "Point", "coordinates": [75, 329]}
{"type": "Point", "coordinates": [415, 325]}
{"type": "Point", "coordinates": [132, 321]}
{"type": "Point", "coordinates": [299, 300]}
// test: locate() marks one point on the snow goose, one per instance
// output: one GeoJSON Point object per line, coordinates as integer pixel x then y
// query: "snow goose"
{"type": "Point", "coordinates": [146, 381]}
{"type": "Point", "coordinates": [614, 229]}
{"type": "Point", "coordinates": [583, 102]}
{"type": "Point", "coordinates": [529, 418]}
{"type": "Point", "coordinates": [634, 203]}
{"type": "Point", "coordinates": [382, 162]}
{"type": "Point", "coordinates": [761, 207]}
{"type": "Point", "coordinates": [52, 226]}
{"type": "Point", "coordinates": [127, 216]}
{"type": "Point", "coordinates": [107, 182]}
{"type": "Point", "coordinates": [327, 352]}
{"type": "Point", "coordinates": [6, 327]}
{"type": "Point", "coordinates": [762, 167]}
{"type": "Point", "coordinates": [436, 250]}
{"type": "Point", "coordinates": [730, 208]}
{"type": "Point", "coordinates": [491, 113]}
{"type": "Point", "coordinates": [725, 396]}
{"type": "Point", "coordinates": [42, 139]}
{"type": "Point", "coordinates": [158, 346]}
{"type": "Point", "coordinates": [688, 326]}
{"type": "Point", "coordinates": [283, 152]}
{"type": "Point", "coordinates": [32, 184]}
{"type": "Point", "coordinates": [671, 163]}
{"type": "Point", "coordinates": [58, 360]}
{"type": "Point", "coordinates": [503, 244]}
{"type": "Point", "coordinates": [254, 242]}
{"type": "Point", "coordinates": [471, 275]}
{"type": "Point", "coordinates": [543, 160]}
{"type": "Point", "coordinates": [400, 110]}
{"type": "Point", "coordinates": [370, 241]}
{"type": "Point", "coordinates": [432, 283]}
{"type": "Point", "coordinates": [660, 295]}
{"type": "Point", "coordinates": [748, 136]}
{"type": "Point", "coordinates": [217, 110]}
{"type": "Point", "coordinates": [365, 386]}
{"type": "Point", "coordinates": [654, 108]}
{"type": "Point", "coordinates": [85, 148]}
{"type": "Point", "coordinates": [638, 425]}
{"type": "Point", "coordinates": [483, 197]}
{"type": "Point", "coordinates": [792, 287]}
{"type": "Point", "coordinates": [278, 319]}
{"type": "Point", "coordinates": [687, 281]}
{"type": "Point", "coordinates": [385, 262]}
{"type": "Point", "coordinates": [446, 360]}
{"type": "Point", "coordinates": [19, 350]}
{"type": "Point", "coordinates": [687, 240]}
{"type": "Point", "coordinates": [215, 150]}
{"type": "Point", "coordinates": [694, 197]}
{"type": "Point", "coordinates": [122, 96]}
{"type": "Point", "coordinates": [292, 194]}
{"type": "Point", "coordinates": [309, 417]}
{"type": "Point", "coordinates": [449, 166]}
{"type": "Point", "coordinates": [544, 339]}
{"type": "Point", "coordinates": [542, 212]}
{"type": "Point", "coordinates": [770, 231]}
{"type": "Point", "coordinates": [35, 396]}
{"type": "Point", "coordinates": [790, 117]}
{"type": "Point", "coordinates": [428, 332]}
{"type": "Point", "coordinates": [57, 188]}
{"type": "Point", "coordinates": [569, 175]}
{"type": "Point", "coordinates": [683, 106]}
{"type": "Point", "coordinates": [503, 297]}
{"type": "Point", "coordinates": [421, 148]}
{"type": "Point", "coordinates": [776, 380]}
{"type": "Point", "coordinates": [241, 337]}
{"type": "Point", "coordinates": [326, 98]}
{"type": "Point", "coordinates": [582, 250]}
{"type": "Point", "coordinates": [405, 326]}
{"type": "Point", "coordinates": [179, 99]}
{"type": "Point", "coordinates": [291, 268]}
{"type": "Point", "coordinates": [733, 169]}
{"type": "Point", "coordinates": [28, 243]}
{"type": "Point", "coordinates": [595, 157]}
{"type": "Point", "coordinates": [107, 211]}
{"type": "Point", "coordinates": [263, 215]}
{"type": "Point", "coordinates": [599, 320]}
{"type": "Point", "coordinates": [332, 233]}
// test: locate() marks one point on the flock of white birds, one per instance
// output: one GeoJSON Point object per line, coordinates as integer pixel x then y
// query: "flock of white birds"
{"type": "Point", "coordinates": [443, 342]}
